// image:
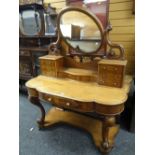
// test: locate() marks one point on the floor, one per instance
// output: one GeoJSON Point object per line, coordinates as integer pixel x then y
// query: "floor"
{"type": "Point", "coordinates": [62, 140]}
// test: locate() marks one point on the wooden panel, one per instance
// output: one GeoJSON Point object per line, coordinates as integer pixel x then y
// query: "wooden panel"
{"type": "Point", "coordinates": [123, 30]}
{"type": "Point", "coordinates": [118, 1]}
{"type": "Point", "coordinates": [127, 44]}
{"type": "Point", "coordinates": [59, 5]}
{"type": "Point", "coordinates": [121, 6]}
{"type": "Point", "coordinates": [121, 14]}
{"type": "Point", "coordinates": [54, 1]}
{"type": "Point", "coordinates": [122, 37]}
{"type": "Point", "coordinates": [130, 52]}
{"type": "Point", "coordinates": [122, 22]}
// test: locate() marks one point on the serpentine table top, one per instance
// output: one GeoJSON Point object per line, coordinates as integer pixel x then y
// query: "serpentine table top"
{"type": "Point", "coordinates": [81, 91]}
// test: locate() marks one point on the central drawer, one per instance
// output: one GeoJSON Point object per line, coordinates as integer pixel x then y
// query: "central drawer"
{"type": "Point", "coordinates": [67, 103]}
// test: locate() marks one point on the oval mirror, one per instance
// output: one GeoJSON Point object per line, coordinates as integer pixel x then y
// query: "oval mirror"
{"type": "Point", "coordinates": [80, 29]}
{"type": "Point", "coordinates": [29, 22]}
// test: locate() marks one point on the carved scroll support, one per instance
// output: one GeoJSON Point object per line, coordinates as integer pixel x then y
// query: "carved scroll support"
{"type": "Point", "coordinates": [53, 48]}
{"type": "Point", "coordinates": [111, 53]}
{"type": "Point", "coordinates": [35, 101]}
{"type": "Point", "coordinates": [109, 131]}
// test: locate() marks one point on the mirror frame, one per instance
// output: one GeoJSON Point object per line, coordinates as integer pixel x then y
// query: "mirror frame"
{"type": "Point", "coordinates": [89, 14]}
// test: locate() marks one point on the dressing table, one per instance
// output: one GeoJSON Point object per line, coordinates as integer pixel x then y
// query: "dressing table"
{"type": "Point", "coordinates": [86, 84]}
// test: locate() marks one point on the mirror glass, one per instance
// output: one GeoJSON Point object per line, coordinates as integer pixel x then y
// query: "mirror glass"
{"type": "Point", "coordinates": [80, 31]}
{"type": "Point", "coordinates": [50, 24]}
{"type": "Point", "coordinates": [29, 22]}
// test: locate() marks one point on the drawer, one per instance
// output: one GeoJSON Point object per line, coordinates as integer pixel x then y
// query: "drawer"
{"type": "Point", "coordinates": [111, 68]}
{"type": "Point", "coordinates": [72, 104]}
{"type": "Point", "coordinates": [45, 97]}
{"type": "Point", "coordinates": [47, 62]}
{"type": "Point", "coordinates": [67, 103]}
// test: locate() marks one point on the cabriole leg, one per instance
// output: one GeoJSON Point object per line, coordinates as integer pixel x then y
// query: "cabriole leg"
{"type": "Point", "coordinates": [109, 131]}
{"type": "Point", "coordinates": [36, 102]}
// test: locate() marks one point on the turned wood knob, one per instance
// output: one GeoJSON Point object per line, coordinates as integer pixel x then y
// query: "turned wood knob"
{"type": "Point", "coordinates": [116, 68]}
{"type": "Point", "coordinates": [115, 83]}
{"type": "Point", "coordinates": [68, 104]}
{"type": "Point", "coordinates": [49, 99]}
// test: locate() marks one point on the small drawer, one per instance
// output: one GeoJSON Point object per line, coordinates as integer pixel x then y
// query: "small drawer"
{"type": "Point", "coordinates": [45, 97]}
{"type": "Point", "coordinates": [66, 103]}
{"type": "Point", "coordinates": [74, 105]}
{"type": "Point", "coordinates": [49, 63]}
{"type": "Point", "coordinates": [111, 68]}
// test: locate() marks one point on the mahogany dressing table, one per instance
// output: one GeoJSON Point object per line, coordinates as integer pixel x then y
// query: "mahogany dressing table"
{"type": "Point", "coordinates": [80, 79]}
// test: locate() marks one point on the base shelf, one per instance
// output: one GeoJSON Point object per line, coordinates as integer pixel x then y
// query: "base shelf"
{"type": "Point", "coordinates": [89, 124]}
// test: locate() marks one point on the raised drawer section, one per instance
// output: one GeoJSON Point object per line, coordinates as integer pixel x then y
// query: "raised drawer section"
{"type": "Point", "coordinates": [111, 72]}
{"type": "Point", "coordinates": [111, 75]}
{"type": "Point", "coordinates": [50, 65]}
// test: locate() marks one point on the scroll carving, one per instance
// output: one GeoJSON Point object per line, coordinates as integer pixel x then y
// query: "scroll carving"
{"type": "Point", "coordinates": [111, 53]}
{"type": "Point", "coordinates": [54, 48]}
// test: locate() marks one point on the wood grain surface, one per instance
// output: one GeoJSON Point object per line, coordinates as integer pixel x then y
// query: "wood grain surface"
{"type": "Point", "coordinates": [81, 91]}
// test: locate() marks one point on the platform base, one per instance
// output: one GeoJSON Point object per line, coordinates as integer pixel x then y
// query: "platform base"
{"type": "Point", "coordinates": [89, 124]}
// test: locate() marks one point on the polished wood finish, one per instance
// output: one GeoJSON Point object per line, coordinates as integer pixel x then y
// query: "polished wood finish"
{"type": "Point", "coordinates": [102, 131]}
{"type": "Point", "coordinates": [50, 65]}
{"type": "Point", "coordinates": [111, 73]}
{"type": "Point", "coordinates": [101, 52]}
{"type": "Point", "coordinates": [34, 100]}
{"type": "Point", "coordinates": [77, 86]}
{"type": "Point", "coordinates": [81, 91]}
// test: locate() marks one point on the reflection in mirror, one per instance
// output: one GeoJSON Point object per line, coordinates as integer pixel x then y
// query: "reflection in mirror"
{"type": "Point", "coordinates": [80, 31]}
{"type": "Point", "coordinates": [50, 24]}
{"type": "Point", "coordinates": [29, 22]}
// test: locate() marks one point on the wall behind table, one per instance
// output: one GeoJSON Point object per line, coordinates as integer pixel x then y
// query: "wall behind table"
{"type": "Point", "coordinates": [123, 32]}
{"type": "Point", "coordinates": [123, 23]}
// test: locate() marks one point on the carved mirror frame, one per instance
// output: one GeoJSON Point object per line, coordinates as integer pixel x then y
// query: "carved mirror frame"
{"type": "Point", "coordinates": [89, 14]}
{"type": "Point", "coordinates": [55, 48]}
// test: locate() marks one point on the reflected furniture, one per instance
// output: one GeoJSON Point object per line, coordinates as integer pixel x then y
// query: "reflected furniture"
{"type": "Point", "coordinates": [86, 83]}
{"type": "Point", "coordinates": [37, 31]}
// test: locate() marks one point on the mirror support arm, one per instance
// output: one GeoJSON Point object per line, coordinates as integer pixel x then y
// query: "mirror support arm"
{"type": "Point", "coordinates": [111, 52]}
{"type": "Point", "coordinates": [53, 47]}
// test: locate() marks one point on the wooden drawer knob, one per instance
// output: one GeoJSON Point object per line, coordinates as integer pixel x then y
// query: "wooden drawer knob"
{"type": "Point", "coordinates": [49, 99]}
{"type": "Point", "coordinates": [115, 84]}
{"type": "Point", "coordinates": [68, 104]}
{"type": "Point", "coordinates": [116, 68]}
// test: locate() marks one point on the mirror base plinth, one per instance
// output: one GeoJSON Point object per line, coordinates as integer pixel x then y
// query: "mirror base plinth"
{"type": "Point", "coordinates": [91, 125]}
